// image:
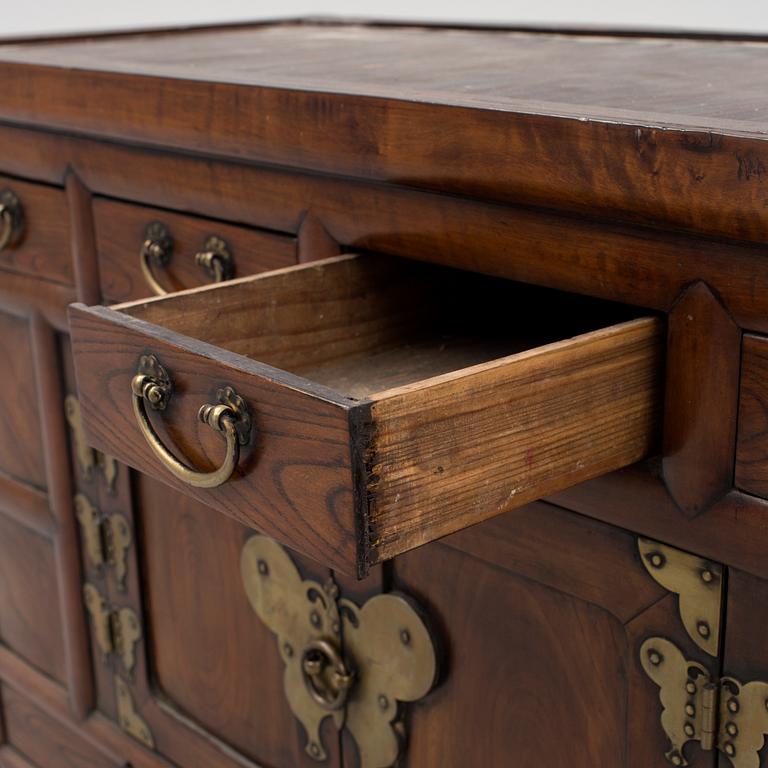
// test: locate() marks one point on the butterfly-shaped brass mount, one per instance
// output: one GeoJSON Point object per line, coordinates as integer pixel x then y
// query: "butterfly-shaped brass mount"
{"type": "Point", "coordinates": [353, 664]}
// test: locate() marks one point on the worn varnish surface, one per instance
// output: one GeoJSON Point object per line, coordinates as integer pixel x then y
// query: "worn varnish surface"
{"type": "Point", "coordinates": [552, 119]}
{"type": "Point", "coordinates": [752, 449]}
{"type": "Point", "coordinates": [120, 232]}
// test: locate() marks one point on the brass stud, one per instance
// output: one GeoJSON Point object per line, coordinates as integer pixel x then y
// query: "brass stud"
{"type": "Point", "coordinates": [703, 629]}
{"type": "Point", "coordinates": [729, 749]}
{"type": "Point", "coordinates": [690, 710]}
{"type": "Point", "coordinates": [690, 687]}
{"type": "Point", "coordinates": [263, 567]}
{"type": "Point", "coordinates": [655, 657]}
{"type": "Point", "coordinates": [675, 759]}
{"type": "Point", "coordinates": [707, 576]}
{"type": "Point", "coordinates": [288, 650]}
{"type": "Point", "coordinates": [383, 702]}
{"type": "Point", "coordinates": [314, 750]}
{"type": "Point", "coordinates": [732, 729]}
{"type": "Point", "coordinates": [689, 730]}
{"type": "Point", "coordinates": [657, 560]}
{"type": "Point", "coordinates": [733, 705]}
{"type": "Point", "coordinates": [405, 637]}
{"type": "Point", "coordinates": [314, 619]}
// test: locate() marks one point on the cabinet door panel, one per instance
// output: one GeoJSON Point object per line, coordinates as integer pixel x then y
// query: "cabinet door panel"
{"type": "Point", "coordinates": [542, 613]}
{"type": "Point", "coordinates": [30, 621]}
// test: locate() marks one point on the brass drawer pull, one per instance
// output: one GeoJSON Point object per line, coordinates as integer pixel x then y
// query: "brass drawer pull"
{"type": "Point", "coordinates": [215, 259]}
{"type": "Point", "coordinates": [12, 216]}
{"type": "Point", "coordinates": [152, 386]}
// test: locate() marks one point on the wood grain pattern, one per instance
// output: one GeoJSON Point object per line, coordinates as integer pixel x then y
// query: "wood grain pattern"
{"type": "Point", "coordinates": [595, 256]}
{"type": "Point", "coordinates": [52, 699]}
{"type": "Point", "coordinates": [465, 447]}
{"type": "Point", "coordinates": [294, 480]}
{"type": "Point", "coordinates": [43, 247]}
{"type": "Point", "coordinates": [30, 616]}
{"type": "Point", "coordinates": [212, 657]}
{"type": "Point", "coordinates": [752, 446]}
{"type": "Point", "coordinates": [689, 159]}
{"type": "Point", "coordinates": [44, 741]}
{"type": "Point", "coordinates": [702, 379]}
{"type": "Point", "coordinates": [85, 259]}
{"type": "Point", "coordinates": [532, 644]}
{"type": "Point", "coordinates": [21, 443]}
{"type": "Point", "coordinates": [359, 324]}
{"type": "Point", "coordinates": [120, 231]}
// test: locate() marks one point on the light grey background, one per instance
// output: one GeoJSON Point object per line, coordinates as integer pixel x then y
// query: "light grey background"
{"type": "Point", "coordinates": [43, 16]}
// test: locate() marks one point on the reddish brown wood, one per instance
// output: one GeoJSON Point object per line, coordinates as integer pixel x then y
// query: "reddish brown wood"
{"type": "Point", "coordinates": [39, 737]}
{"type": "Point", "coordinates": [314, 242]}
{"type": "Point", "coordinates": [703, 358]}
{"type": "Point", "coordinates": [392, 107]}
{"type": "Point", "coordinates": [30, 617]}
{"type": "Point", "coordinates": [26, 505]}
{"type": "Point", "coordinates": [120, 232]}
{"type": "Point", "coordinates": [54, 458]}
{"type": "Point", "coordinates": [52, 699]}
{"type": "Point", "coordinates": [43, 245]}
{"type": "Point", "coordinates": [752, 449]}
{"type": "Point", "coordinates": [84, 254]}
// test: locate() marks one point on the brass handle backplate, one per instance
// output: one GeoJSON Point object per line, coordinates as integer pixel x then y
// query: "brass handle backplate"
{"type": "Point", "coordinates": [11, 217]}
{"type": "Point", "coordinates": [152, 387]}
{"type": "Point", "coordinates": [215, 259]}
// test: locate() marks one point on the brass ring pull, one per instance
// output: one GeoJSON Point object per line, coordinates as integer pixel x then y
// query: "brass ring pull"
{"type": "Point", "coordinates": [215, 259]}
{"type": "Point", "coordinates": [151, 386]}
{"type": "Point", "coordinates": [326, 675]}
{"type": "Point", "coordinates": [11, 216]}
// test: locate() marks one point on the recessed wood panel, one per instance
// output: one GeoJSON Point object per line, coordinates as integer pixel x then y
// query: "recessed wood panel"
{"type": "Point", "coordinates": [45, 741]}
{"type": "Point", "coordinates": [211, 656]}
{"type": "Point", "coordinates": [21, 449]}
{"type": "Point", "coordinates": [752, 443]}
{"type": "Point", "coordinates": [42, 246]}
{"type": "Point", "coordinates": [121, 230]}
{"type": "Point", "coordinates": [30, 621]}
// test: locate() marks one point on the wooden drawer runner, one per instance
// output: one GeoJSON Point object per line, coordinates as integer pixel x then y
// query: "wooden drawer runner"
{"type": "Point", "coordinates": [39, 243]}
{"type": "Point", "coordinates": [392, 402]}
{"type": "Point", "coordinates": [752, 442]}
{"type": "Point", "coordinates": [122, 228]}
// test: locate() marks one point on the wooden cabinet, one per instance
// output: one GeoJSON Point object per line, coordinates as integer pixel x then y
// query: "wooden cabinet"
{"type": "Point", "coordinates": [443, 443]}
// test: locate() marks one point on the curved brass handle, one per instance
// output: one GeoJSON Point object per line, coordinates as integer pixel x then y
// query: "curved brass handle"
{"type": "Point", "coordinates": [151, 386]}
{"type": "Point", "coordinates": [11, 216]}
{"type": "Point", "coordinates": [327, 677]}
{"type": "Point", "coordinates": [215, 259]}
{"type": "Point", "coordinates": [156, 250]}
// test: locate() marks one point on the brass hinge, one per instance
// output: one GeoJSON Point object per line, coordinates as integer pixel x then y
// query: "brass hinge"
{"type": "Point", "coordinates": [722, 714]}
{"type": "Point", "coordinates": [116, 629]}
{"type": "Point", "coordinates": [344, 661]}
{"type": "Point", "coordinates": [128, 716]}
{"type": "Point", "coordinates": [107, 538]}
{"type": "Point", "coordinates": [88, 458]}
{"type": "Point", "coordinates": [698, 584]}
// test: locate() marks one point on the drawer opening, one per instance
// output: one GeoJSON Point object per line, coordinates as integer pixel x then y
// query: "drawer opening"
{"type": "Point", "coordinates": [363, 325]}
{"type": "Point", "coordinates": [394, 402]}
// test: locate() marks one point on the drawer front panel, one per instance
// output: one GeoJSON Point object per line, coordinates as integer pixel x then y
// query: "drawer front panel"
{"type": "Point", "coordinates": [30, 622]}
{"type": "Point", "coordinates": [752, 443]}
{"type": "Point", "coordinates": [21, 448]}
{"type": "Point", "coordinates": [40, 243]}
{"type": "Point", "coordinates": [121, 229]}
{"type": "Point", "coordinates": [384, 426]}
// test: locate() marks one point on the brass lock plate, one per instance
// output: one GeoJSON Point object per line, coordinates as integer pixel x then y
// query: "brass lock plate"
{"type": "Point", "coordinates": [344, 661]}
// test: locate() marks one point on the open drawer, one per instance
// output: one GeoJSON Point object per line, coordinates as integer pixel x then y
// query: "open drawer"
{"type": "Point", "coordinates": [390, 402]}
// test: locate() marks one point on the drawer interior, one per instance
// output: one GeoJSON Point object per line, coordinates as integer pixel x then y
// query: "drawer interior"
{"type": "Point", "coordinates": [363, 325]}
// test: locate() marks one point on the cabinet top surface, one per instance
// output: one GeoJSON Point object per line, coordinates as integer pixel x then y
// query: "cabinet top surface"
{"type": "Point", "coordinates": [696, 83]}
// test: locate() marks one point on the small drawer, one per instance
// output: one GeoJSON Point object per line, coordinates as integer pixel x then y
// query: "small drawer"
{"type": "Point", "coordinates": [752, 441]}
{"type": "Point", "coordinates": [391, 402]}
{"type": "Point", "coordinates": [34, 230]}
{"type": "Point", "coordinates": [145, 251]}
